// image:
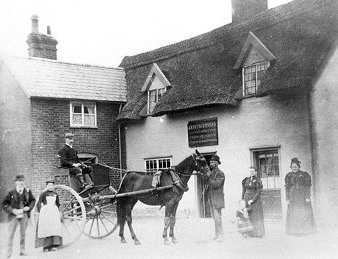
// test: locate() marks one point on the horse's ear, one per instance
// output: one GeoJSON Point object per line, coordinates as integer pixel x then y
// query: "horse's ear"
{"type": "Point", "coordinates": [197, 153]}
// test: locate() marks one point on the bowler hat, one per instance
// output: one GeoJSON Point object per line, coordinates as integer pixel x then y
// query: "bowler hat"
{"type": "Point", "coordinates": [19, 178]}
{"type": "Point", "coordinates": [69, 135]}
{"type": "Point", "coordinates": [215, 158]}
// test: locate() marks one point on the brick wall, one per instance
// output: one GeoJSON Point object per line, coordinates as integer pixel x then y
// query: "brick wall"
{"type": "Point", "coordinates": [15, 129]}
{"type": "Point", "coordinates": [50, 120]}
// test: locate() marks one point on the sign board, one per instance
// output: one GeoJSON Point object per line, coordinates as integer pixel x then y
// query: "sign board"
{"type": "Point", "coordinates": [203, 132]}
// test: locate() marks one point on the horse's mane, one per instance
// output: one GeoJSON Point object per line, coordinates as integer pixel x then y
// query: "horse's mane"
{"type": "Point", "coordinates": [183, 165]}
{"type": "Point", "coordinates": [140, 172]}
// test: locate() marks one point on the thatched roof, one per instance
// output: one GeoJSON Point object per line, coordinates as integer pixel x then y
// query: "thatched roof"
{"type": "Point", "coordinates": [201, 71]}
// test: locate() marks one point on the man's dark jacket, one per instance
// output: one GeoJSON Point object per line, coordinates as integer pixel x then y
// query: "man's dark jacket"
{"type": "Point", "coordinates": [68, 156]}
{"type": "Point", "coordinates": [12, 201]}
{"type": "Point", "coordinates": [215, 191]}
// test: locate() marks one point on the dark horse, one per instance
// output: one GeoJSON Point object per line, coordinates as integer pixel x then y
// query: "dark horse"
{"type": "Point", "coordinates": [136, 181]}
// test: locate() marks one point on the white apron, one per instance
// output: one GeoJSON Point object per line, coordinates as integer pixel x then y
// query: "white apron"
{"type": "Point", "coordinates": [49, 219]}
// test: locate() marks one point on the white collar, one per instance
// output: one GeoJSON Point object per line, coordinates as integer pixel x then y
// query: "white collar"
{"type": "Point", "coordinates": [18, 190]}
{"type": "Point", "coordinates": [69, 145]}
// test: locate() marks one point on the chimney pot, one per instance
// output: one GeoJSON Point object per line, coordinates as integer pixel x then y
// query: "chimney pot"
{"type": "Point", "coordinates": [49, 32]}
{"type": "Point", "coordinates": [35, 23]}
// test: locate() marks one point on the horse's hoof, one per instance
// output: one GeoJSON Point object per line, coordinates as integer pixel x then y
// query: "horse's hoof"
{"type": "Point", "coordinates": [166, 242]}
{"type": "Point", "coordinates": [174, 240]}
{"type": "Point", "coordinates": [123, 241]}
{"type": "Point", "coordinates": [137, 242]}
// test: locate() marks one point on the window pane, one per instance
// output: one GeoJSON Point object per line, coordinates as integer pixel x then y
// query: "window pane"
{"type": "Point", "coordinates": [77, 108]}
{"type": "Point", "coordinates": [89, 109]}
{"type": "Point", "coordinates": [77, 119]}
{"type": "Point", "coordinates": [89, 120]}
{"type": "Point", "coordinates": [160, 92]}
{"type": "Point", "coordinates": [152, 96]}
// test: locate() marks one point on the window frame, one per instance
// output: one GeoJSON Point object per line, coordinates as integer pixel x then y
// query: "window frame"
{"type": "Point", "coordinates": [156, 98]}
{"type": "Point", "coordinates": [157, 159]}
{"type": "Point", "coordinates": [83, 104]}
{"type": "Point", "coordinates": [256, 85]}
{"type": "Point", "coordinates": [277, 180]}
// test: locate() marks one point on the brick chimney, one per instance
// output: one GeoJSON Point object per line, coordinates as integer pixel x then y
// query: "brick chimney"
{"type": "Point", "coordinates": [41, 45]}
{"type": "Point", "coordinates": [245, 9]}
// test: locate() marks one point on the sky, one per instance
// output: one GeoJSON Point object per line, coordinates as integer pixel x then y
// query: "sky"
{"type": "Point", "coordinates": [102, 32]}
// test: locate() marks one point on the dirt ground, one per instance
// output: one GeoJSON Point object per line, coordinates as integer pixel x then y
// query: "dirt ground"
{"type": "Point", "coordinates": [195, 241]}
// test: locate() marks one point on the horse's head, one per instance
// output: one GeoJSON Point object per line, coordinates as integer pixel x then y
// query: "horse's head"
{"type": "Point", "coordinates": [200, 163]}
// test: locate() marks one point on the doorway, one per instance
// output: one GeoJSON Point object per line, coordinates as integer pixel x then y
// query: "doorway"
{"type": "Point", "coordinates": [268, 169]}
{"type": "Point", "coordinates": [204, 208]}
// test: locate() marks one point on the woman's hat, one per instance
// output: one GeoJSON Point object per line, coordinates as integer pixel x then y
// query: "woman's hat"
{"type": "Point", "coordinates": [215, 158]}
{"type": "Point", "coordinates": [19, 178]}
{"type": "Point", "coordinates": [296, 161]}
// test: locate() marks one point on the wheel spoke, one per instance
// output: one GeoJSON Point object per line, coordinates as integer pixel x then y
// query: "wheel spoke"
{"type": "Point", "coordinates": [76, 208]}
{"type": "Point", "coordinates": [73, 218]}
{"type": "Point", "coordinates": [104, 225]}
{"type": "Point", "coordinates": [108, 219]}
{"type": "Point", "coordinates": [110, 212]}
{"type": "Point", "coordinates": [98, 227]}
{"type": "Point", "coordinates": [64, 225]}
{"type": "Point", "coordinates": [91, 226]}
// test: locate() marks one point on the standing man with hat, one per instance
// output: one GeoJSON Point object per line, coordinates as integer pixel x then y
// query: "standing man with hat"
{"type": "Point", "coordinates": [215, 195]}
{"type": "Point", "coordinates": [18, 204]}
{"type": "Point", "coordinates": [69, 158]}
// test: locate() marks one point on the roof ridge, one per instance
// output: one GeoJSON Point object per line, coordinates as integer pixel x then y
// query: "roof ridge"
{"type": "Point", "coordinates": [275, 14]}
{"type": "Point", "coordinates": [64, 62]}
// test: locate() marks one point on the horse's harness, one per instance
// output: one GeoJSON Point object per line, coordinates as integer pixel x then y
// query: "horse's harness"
{"type": "Point", "coordinates": [179, 182]}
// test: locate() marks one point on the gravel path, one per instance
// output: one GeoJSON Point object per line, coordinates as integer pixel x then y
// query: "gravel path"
{"type": "Point", "coordinates": [195, 241]}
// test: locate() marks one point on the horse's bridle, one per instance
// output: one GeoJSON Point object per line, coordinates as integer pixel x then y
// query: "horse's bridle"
{"type": "Point", "coordinates": [196, 164]}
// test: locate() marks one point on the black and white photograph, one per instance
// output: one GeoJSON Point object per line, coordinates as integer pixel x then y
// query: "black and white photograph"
{"type": "Point", "coordinates": [168, 129]}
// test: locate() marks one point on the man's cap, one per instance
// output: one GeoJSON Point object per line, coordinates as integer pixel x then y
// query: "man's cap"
{"type": "Point", "coordinates": [19, 178]}
{"type": "Point", "coordinates": [215, 158]}
{"type": "Point", "coordinates": [50, 181]}
{"type": "Point", "coordinates": [69, 135]}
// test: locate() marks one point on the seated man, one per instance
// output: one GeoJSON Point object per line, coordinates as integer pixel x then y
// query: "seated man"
{"type": "Point", "coordinates": [68, 158]}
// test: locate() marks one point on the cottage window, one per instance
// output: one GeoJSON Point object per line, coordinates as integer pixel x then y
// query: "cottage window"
{"type": "Point", "coordinates": [153, 98]}
{"type": "Point", "coordinates": [82, 114]}
{"type": "Point", "coordinates": [155, 164]}
{"type": "Point", "coordinates": [252, 77]}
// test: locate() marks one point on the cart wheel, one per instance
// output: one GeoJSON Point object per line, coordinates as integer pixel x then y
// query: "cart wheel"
{"type": "Point", "coordinates": [101, 218]}
{"type": "Point", "coordinates": [73, 214]}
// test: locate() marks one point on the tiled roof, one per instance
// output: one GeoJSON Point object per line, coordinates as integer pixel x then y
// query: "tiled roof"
{"type": "Point", "coordinates": [54, 79]}
{"type": "Point", "coordinates": [201, 69]}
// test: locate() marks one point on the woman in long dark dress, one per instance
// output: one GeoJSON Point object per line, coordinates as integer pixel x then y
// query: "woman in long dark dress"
{"type": "Point", "coordinates": [299, 218]}
{"type": "Point", "coordinates": [48, 229]}
{"type": "Point", "coordinates": [252, 188]}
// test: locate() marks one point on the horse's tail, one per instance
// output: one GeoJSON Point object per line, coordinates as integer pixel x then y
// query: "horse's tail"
{"type": "Point", "coordinates": [120, 208]}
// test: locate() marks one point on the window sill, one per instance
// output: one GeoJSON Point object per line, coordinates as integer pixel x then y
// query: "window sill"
{"type": "Point", "coordinates": [246, 97]}
{"type": "Point", "coordinates": [83, 127]}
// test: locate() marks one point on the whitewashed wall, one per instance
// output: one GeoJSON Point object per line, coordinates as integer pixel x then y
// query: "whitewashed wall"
{"type": "Point", "coordinates": [325, 116]}
{"type": "Point", "coordinates": [256, 122]}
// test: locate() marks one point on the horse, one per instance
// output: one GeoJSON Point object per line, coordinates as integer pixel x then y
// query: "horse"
{"type": "Point", "coordinates": [169, 198]}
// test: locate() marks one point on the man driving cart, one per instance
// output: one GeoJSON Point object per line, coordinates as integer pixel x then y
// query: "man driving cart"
{"type": "Point", "coordinates": [69, 158]}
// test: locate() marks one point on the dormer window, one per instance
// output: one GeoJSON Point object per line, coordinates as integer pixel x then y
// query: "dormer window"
{"type": "Point", "coordinates": [153, 97]}
{"type": "Point", "coordinates": [252, 76]}
{"type": "Point", "coordinates": [155, 85]}
{"type": "Point", "coordinates": [254, 60]}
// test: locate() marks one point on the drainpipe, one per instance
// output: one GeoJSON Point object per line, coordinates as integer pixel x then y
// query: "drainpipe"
{"type": "Point", "coordinates": [313, 145]}
{"type": "Point", "coordinates": [120, 143]}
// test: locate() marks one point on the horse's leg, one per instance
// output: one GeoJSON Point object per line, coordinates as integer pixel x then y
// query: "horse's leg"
{"type": "Point", "coordinates": [121, 214]}
{"type": "Point", "coordinates": [129, 219]}
{"type": "Point", "coordinates": [168, 209]}
{"type": "Point", "coordinates": [172, 223]}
